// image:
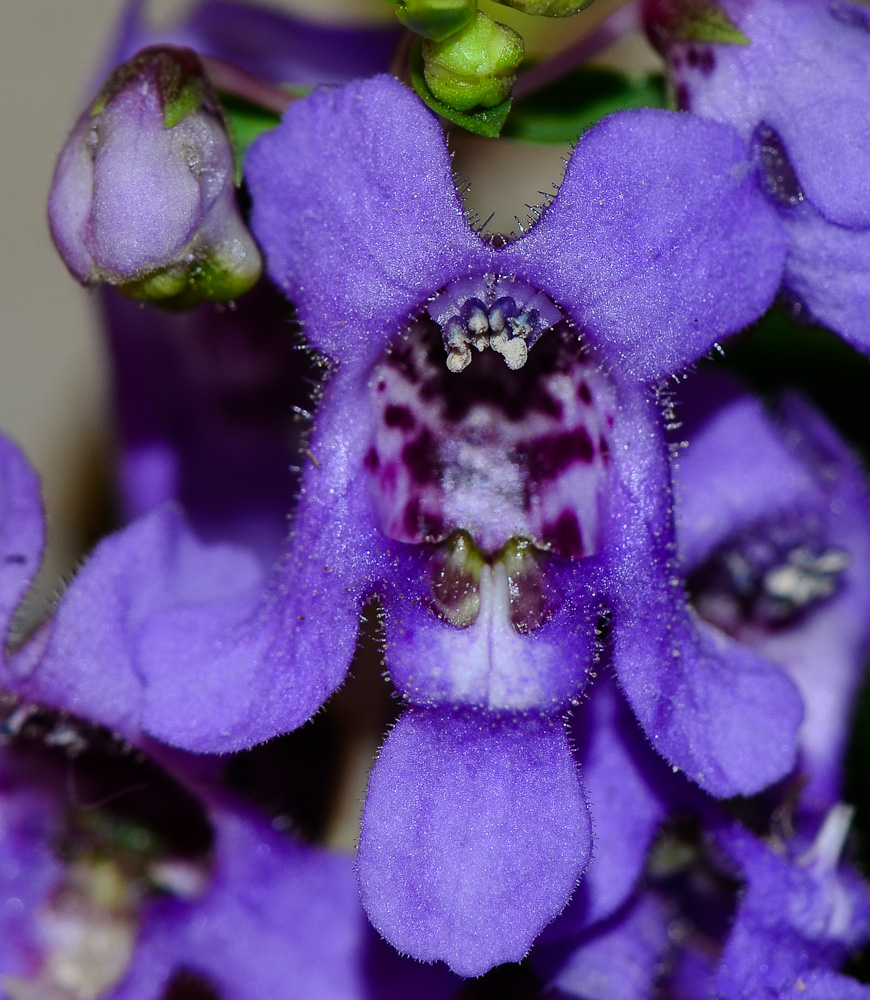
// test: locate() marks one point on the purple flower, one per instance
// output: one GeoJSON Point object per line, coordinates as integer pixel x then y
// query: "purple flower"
{"type": "Point", "coordinates": [99, 904]}
{"type": "Point", "coordinates": [773, 525]}
{"type": "Point", "coordinates": [797, 93]}
{"type": "Point", "coordinates": [492, 476]}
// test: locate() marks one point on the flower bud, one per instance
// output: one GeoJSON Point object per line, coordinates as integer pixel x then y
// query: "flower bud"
{"type": "Point", "coordinates": [475, 66]}
{"type": "Point", "coordinates": [436, 19]}
{"type": "Point", "coordinates": [143, 193]}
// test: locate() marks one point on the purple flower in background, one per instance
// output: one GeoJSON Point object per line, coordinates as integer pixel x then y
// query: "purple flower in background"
{"type": "Point", "coordinates": [269, 44]}
{"type": "Point", "coordinates": [773, 525]}
{"type": "Point", "coordinates": [798, 95]}
{"type": "Point", "coordinates": [209, 408]}
{"type": "Point", "coordinates": [143, 196]}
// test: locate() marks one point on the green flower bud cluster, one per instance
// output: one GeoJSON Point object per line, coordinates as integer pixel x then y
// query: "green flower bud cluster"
{"type": "Point", "coordinates": [475, 66]}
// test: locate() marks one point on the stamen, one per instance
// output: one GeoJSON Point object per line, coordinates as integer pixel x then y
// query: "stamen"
{"type": "Point", "coordinates": [509, 324]}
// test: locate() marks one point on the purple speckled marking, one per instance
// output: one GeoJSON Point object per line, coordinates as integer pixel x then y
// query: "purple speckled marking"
{"type": "Point", "coordinates": [498, 453]}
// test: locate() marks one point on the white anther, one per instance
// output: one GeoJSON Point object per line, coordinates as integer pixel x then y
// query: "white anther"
{"type": "Point", "coordinates": [459, 358]}
{"type": "Point", "coordinates": [521, 326]}
{"type": "Point", "coordinates": [514, 351]}
{"type": "Point", "coordinates": [478, 323]}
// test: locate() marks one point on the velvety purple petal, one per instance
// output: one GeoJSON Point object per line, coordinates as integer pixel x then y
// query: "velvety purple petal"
{"type": "Point", "coordinates": [22, 532]}
{"type": "Point", "coordinates": [658, 243]}
{"type": "Point", "coordinates": [629, 789]}
{"type": "Point", "coordinates": [743, 472]}
{"type": "Point", "coordinates": [91, 664]}
{"type": "Point", "coordinates": [363, 225]}
{"type": "Point", "coordinates": [805, 76]}
{"type": "Point", "coordinates": [289, 650]}
{"type": "Point", "coordinates": [828, 271]}
{"type": "Point", "coordinates": [820, 985]}
{"type": "Point", "coordinates": [474, 834]}
{"type": "Point", "coordinates": [489, 664]}
{"type": "Point", "coordinates": [205, 400]}
{"type": "Point", "coordinates": [617, 960]}
{"type": "Point", "coordinates": [797, 914]}
{"type": "Point", "coordinates": [720, 713]}
{"type": "Point", "coordinates": [276, 913]}
{"type": "Point", "coordinates": [272, 45]}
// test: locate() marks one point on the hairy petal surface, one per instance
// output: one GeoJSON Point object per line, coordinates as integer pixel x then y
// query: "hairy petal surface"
{"type": "Point", "coordinates": [662, 252]}
{"type": "Point", "coordinates": [392, 210]}
{"type": "Point", "coordinates": [474, 834]}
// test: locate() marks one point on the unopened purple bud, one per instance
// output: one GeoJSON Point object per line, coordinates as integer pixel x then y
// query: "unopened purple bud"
{"type": "Point", "coordinates": [143, 195]}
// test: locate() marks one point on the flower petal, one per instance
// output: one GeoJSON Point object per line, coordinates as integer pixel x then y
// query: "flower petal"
{"type": "Point", "coordinates": [804, 75]}
{"type": "Point", "coordinates": [91, 665]}
{"type": "Point", "coordinates": [474, 834]}
{"type": "Point", "coordinates": [489, 664]}
{"type": "Point", "coordinates": [828, 272]}
{"type": "Point", "coordinates": [628, 790]}
{"type": "Point", "coordinates": [617, 960]}
{"type": "Point", "coordinates": [658, 243]}
{"type": "Point", "coordinates": [355, 208]}
{"type": "Point", "coordinates": [714, 709]}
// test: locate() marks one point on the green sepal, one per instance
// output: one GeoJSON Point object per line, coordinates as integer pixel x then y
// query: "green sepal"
{"type": "Point", "coordinates": [436, 24]}
{"type": "Point", "coordinates": [183, 101]}
{"type": "Point", "coordinates": [701, 21]}
{"type": "Point", "coordinates": [184, 286]}
{"type": "Point", "coordinates": [487, 122]}
{"type": "Point", "coordinates": [565, 109]}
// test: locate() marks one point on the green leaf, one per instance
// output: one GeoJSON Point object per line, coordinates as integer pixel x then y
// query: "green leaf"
{"type": "Point", "coordinates": [560, 112]}
{"type": "Point", "coordinates": [487, 122]}
{"type": "Point", "coordinates": [245, 122]}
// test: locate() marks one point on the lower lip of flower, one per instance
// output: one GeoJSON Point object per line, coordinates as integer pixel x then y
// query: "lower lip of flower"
{"type": "Point", "coordinates": [494, 455]}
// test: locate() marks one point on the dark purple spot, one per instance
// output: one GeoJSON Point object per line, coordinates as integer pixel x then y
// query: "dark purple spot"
{"type": "Point", "coordinates": [402, 359]}
{"type": "Point", "coordinates": [187, 985]}
{"type": "Point", "coordinates": [707, 62]}
{"type": "Point", "coordinates": [564, 535]}
{"type": "Point", "coordinates": [692, 57]}
{"type": "Point", "coordinates": [420, 457]}
{"type": "Point", "coordinates": [681, 92]}
{"type": "Point", "coordinates": [399, 416]}
{"type": "Point", "coordinates": [848, 13]}
{"type": "Point", "coordinates": [372, 460]}
{"type": "Point", "coordinates": [779, 177]}
{"type": "Point", "coordinates": [382, 386]}
{"type": "Point", "coordinates": [547, 457]}
{"type": "Point", "coordinates": [604, 448]}
{"type": "Point", "coordinates": [584, 393]}
{"type": "Point", "coordinates": [16, 560]}
{"type": "Point", "coordinates": [609, 420]}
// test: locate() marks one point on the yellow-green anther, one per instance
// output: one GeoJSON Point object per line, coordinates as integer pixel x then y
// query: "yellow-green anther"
{"type": "Point", "coordinates": [436, 19]}
{"type": "Point", "coordinates": [475, 67]}
{"type": "Point", "coordinates": [547, 8]}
